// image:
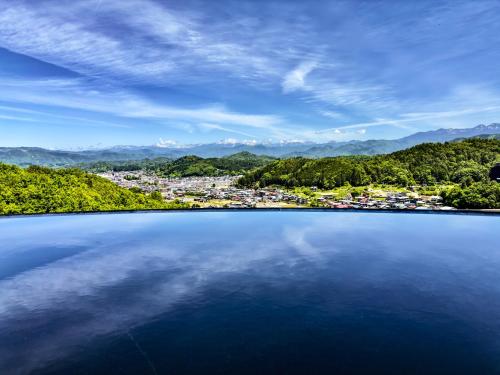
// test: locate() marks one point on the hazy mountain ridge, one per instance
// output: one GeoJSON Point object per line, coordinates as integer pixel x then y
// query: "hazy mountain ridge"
{"type": "Point", "coordinates": [382, 146]}
{"type": "Point", "coordinates": [24, 156]}
{"type": "Point", "coordinates": [34, 155]}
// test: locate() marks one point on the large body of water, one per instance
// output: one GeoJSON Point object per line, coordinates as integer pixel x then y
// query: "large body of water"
{"type": "Point", "coordinates": [296, 292]}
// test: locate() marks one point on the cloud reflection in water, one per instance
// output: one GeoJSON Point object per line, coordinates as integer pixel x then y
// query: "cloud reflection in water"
{"type": "Point", "coordinates": [131, 269]}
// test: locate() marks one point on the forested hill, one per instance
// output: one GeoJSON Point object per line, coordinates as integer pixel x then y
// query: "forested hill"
{"type": "Point", "coordinates": [464, 165]}
{"type": "Point", "coordinates": [43, 190]}
{"type": "Point", "coordinates": [187, 165]}
{"type": "Point", "coordinates": [429, 163]}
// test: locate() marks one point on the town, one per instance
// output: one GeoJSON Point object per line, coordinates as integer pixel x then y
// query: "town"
{"type": "Point", "coordinates": [222, 192]}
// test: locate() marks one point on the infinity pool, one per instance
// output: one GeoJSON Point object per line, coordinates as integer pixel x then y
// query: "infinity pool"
{"type": "Point", "coordinates": [257, 292]}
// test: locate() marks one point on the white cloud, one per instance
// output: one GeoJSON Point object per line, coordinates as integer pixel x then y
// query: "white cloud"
{"type": "Point", "coordinates": [16, 118]}
{"type": "Point", "coordinates": [166, 143]}
{"type": "Point", "coordinates": [69, 43]}
{"type": "Point", "coordinates": [228, 141]}
{"type": "Point", "coordinates": [161, 45]}
{"type": "Point", "coordinates": [332, 114]}
{"type": "Point", "coordinates": [324, 89]}
{"type": "Point", "coordinates": [37, 115]}
{"type": "Point", "coordinates": [295, 79]}
{"type": "Point", "coordinates": [249, 142]}
{"type": "Point", "coordinates": [361, 131]}
{"type": "Point", "coordinates": [408, 118]}
{"type": "Point", "coordinates": [357, 94]}
{"type": "Point", "coordinates": [211, 127]}
{"type": "Point", "coordinates": [77, 95]}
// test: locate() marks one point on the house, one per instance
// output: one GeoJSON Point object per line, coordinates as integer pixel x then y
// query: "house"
{"type": "Point", "coordinates": [495, 173]}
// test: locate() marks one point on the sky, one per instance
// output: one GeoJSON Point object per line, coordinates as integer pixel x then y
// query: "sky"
{"type": "Point", "coordinates": [97, 73]}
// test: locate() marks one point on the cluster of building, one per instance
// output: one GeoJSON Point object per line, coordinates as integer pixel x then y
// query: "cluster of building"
{"type": "Point", "coordinates": [204, 190]}
{"type": "Point", "coordinates": [249, 198]}
{"type": "Point", "coordinates": [389, 200]}
{"type": "Point", "coordinates": [169, 187]}
{"type": "Point", "coordinates": [137, 179]}
{"type": "Point", "coordinates": [222, 192]}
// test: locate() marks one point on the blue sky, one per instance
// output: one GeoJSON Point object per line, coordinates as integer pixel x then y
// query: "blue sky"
{"type": "Point", "coordinates": [97, 73]}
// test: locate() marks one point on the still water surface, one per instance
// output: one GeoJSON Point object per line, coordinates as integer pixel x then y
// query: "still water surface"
{"type": "Point", "coordinates": [250, 293]}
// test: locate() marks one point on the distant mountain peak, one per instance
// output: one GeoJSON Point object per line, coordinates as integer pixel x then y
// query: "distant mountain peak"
{"type": "Point", "coordinates": [285, 148]}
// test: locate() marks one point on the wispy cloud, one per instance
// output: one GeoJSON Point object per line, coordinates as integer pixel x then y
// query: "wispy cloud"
{"type": "Point", "coordinates": [160, 43]}
{"type": "Point", "coordinates": [65, 41]}
{"type": "Point", "coordinates": [295, 79]}
{"type": "Point", "coordinates": [210, 127]}
{"type": "Point", "coordinates": [55, 117]}
{"type": "Point", "coordinates": [332, 114]}
{"type": "Point", "coordinates": [325, 89]}
{"type": "Point", "coordinates": [75, 94]}
{"type": "Point", "coordinates": [16, 118]}
{"type": "Point", "coordinates": [78, 95]}
{"type": "Point", "coordinates": [273, 69]}
{"type": "Point", "coordinates": [407, 118]}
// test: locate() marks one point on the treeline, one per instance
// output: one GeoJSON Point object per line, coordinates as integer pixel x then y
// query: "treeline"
{"type": "Point", "coordinates": [187, 166]}
{"type": "Point", "coordinates": [466, 163]}
{"type": "Point", "coordinates": [44, 190]}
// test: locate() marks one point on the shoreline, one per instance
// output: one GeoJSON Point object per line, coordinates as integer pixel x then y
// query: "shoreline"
{"type": "Point", "coordinates": [482, 212]}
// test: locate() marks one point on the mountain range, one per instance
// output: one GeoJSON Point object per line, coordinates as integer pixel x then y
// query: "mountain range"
{"type": "Point", "coordinates": [39, 156]}
{"type": "Point", "coordinates": [384, 146]}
